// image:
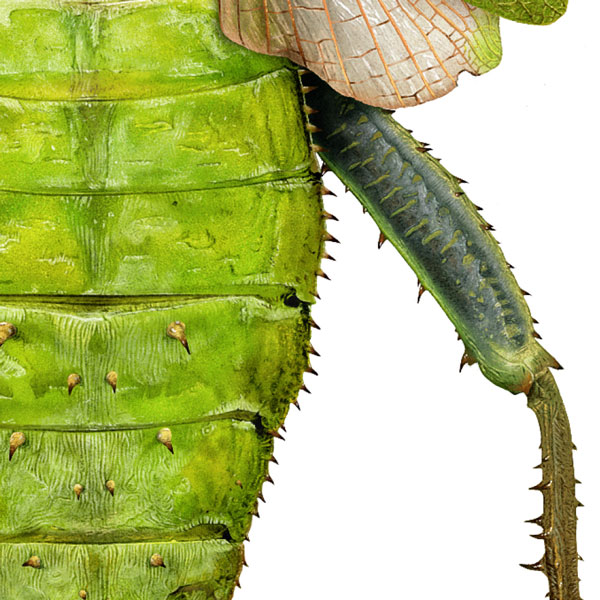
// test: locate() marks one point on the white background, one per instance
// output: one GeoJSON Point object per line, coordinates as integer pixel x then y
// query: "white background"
{"type": "Point", "coordinates": [400, 478]}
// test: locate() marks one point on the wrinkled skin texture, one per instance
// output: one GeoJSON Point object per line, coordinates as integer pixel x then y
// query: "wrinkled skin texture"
{"type": "Point", "coordinates": [97, 182]}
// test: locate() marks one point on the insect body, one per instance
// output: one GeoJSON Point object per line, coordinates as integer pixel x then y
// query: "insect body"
{"type": "Point", "coordinates": [163, 225]}
{"type": "Point", "coordinates": [161, 229]}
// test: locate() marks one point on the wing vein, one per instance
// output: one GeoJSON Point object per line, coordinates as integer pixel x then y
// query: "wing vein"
{"type": "Point", "coordinates": [381, 57]}
{"type": "Point", "coordinates": [431, 46]}
{"type": "Point", "coordinates": [267, 25]}
{"type": "Point", "coordinates": [337, 48]}
{"type": "Point", "coordinates": [406, 45]}
{"type": "Point", "coordinates": [453, 25]}
{"type": "Point", "coordinates": [453, 10]}
{"type": "Point", "coordinates": [296, 35]}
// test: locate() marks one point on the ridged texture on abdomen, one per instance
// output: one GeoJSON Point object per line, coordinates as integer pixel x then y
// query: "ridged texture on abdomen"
{"type": "Point", "coordinates": [151, 172]}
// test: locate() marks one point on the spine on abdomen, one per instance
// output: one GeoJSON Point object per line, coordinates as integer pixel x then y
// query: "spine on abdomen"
{"type": "Point", "coordinates": [152, 232]}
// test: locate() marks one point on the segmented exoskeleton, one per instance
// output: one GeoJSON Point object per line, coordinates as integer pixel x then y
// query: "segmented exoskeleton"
{"type": "Point", "coordinates": [162, 207]}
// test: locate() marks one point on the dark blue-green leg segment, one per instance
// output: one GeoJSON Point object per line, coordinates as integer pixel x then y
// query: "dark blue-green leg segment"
{"type": "Point", "coordinates": [422, 210]}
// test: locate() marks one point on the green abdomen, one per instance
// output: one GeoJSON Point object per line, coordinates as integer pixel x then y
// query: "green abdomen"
{"type": "Point", "coordinates": [150, 172]}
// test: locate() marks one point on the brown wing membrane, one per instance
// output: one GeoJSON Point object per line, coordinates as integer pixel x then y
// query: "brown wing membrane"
{"type": "Point", "coordinates": [388, 53]}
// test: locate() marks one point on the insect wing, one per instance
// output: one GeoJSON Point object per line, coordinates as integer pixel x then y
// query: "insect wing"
{"type": "Point", "coordinates": [388, 53]}
{"type": "Point", "coordinates": [537, 12]}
